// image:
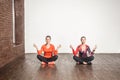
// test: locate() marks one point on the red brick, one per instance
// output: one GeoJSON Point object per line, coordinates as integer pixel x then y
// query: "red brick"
{"type": "Point", "coordinates": [8, 50]}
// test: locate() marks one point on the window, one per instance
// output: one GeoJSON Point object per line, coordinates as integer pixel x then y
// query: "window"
{"type": "Point", "coordinates": [18, 21]}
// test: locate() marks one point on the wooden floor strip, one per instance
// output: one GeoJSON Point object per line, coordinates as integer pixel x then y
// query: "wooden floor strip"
{"type": "Point", "coordinates": [104, 67]}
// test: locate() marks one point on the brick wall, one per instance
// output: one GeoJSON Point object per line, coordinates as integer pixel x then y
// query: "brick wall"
{"type": "Point", "coordinates": [8, 50]}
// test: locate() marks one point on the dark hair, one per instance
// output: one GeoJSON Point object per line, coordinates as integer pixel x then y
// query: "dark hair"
{"type": "Point", "coordinates": [48, 36]}
{"type": "Point", "coordinates": [83, 37]}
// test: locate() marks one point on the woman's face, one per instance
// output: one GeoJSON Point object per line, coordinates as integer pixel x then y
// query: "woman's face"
{"type": "Point", "coordinates": [83, 40]}
{"type": "Point", "coordinates": [48, 40]}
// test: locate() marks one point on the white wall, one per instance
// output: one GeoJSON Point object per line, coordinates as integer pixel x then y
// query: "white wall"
{"type": "Point", "coordinates": [67, 20]}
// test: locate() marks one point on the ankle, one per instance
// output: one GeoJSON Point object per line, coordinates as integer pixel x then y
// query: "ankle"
{"type": "Point", "coordinates": [43, 63]}
{"type": "Point", "coordinates": [84, 62]}
{"type": "Point", "coordinates": [51, 62]}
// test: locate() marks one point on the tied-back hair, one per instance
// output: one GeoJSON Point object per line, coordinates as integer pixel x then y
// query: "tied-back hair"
{"type": "Point", "coordinates": [83, 37]}
{"type": "Point", "coordinates": [48, 36]}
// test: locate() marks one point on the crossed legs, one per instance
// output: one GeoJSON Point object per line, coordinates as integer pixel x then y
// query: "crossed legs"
{"type": "Point", "coordinates": [47, 60]}
{"type": "Point", "coordinates": [82, 60]}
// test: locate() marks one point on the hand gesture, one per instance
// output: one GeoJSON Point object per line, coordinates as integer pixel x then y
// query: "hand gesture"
{"type": "Point", "coordinates": [71, 46]}
{"type": "Point", "coordinates": [58, 47]}
{"type": "Point", "coordinates": [34, 45]}
{"type": "Point", "coordinates": [95, 47]}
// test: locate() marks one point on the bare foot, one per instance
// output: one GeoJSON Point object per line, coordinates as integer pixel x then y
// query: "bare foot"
{"type": "Point", "coordinates": [85, 63]}
{"type": "Point", "coordinates": [77, 63]}
{"type": "Point", "coordinates": [43, 63]}
{"type": "Point", "coordinates": [51, 62]}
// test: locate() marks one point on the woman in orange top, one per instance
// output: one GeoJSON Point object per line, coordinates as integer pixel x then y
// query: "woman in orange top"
{"type": "Point", "coordinates": [50, 53]}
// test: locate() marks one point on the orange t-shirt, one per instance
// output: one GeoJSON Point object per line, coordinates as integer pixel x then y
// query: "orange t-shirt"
{"type": "Point", "coordinates": [48, 52]}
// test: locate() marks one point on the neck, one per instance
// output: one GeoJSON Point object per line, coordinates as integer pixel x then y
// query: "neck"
{"type": "Point", "coordinates": [47, 43]}
{"type": "Point", "coordinates": [83, 43]}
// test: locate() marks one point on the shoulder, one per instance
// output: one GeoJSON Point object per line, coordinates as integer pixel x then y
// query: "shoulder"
{"type": "Point", "coordinates": [51, 45]}
{"type": "Point", "coordinates": [43, 45]}
{"type": "Point", "coordinates": [87, 45]}
{"type": "Point", "coordinates": [79, 46]}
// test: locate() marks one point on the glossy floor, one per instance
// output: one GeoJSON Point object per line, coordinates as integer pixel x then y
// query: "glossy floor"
{"type": "Point", "coordinates": [104, 67]}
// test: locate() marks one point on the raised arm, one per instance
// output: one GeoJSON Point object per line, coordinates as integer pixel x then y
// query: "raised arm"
{"type": "Point", "coordinates": [55, 51]}
{"type": "Point", "coordinates": [74, 52]}
{"type": "Point", "coordinates": [38, 51]}
{"type": "Point", "coordinates": [59, 46]}
{"type": "Point", "coordinates": [35, 46]}
{"type": "Point", "coordinates": [95, 47]}
{"type": "Point", "coordinates": [92, 52]}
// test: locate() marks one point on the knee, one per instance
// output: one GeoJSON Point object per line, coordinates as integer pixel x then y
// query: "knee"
{"type": "Point", "coordinates": [38, 56]}
{"type": "Point", "coordinates": [56, 56]}
{"type": "Point", "coordinates": [92, 57]}
{"type": "Point", "coordinates": [74, 57]}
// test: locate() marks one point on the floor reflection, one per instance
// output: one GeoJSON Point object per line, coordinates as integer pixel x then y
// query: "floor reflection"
{"type": "Point", "coordinates": [84, 72]}
{"type": "Point", "coordinates": [47, 72]}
